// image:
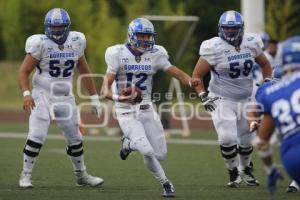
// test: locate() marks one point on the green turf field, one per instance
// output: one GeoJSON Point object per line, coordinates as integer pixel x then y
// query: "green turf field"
{"type": "Point", "coordinates": [197, 172]}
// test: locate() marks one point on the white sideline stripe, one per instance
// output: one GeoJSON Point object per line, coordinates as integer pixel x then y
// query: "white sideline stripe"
{"type": "Point", "coordinates": [108, 138]}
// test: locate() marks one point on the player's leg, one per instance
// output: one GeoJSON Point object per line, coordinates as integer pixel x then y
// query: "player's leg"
{"type": "Point", "coordinates": [67, 118]}
{"type": "Point", "coordinates": [38, 127]}
{"type": "Point", "coordinates": [290, 158]}
{"type": "Point", "coordinates": [224, 120]}
{"type": "Point", "coordinates": [131, 127]}
{"type": "Point", "coordinates": [155, 134]}
{"type": "Point", "coordinates": [135, 132]}
{"type": "Point", "coordinates": [245, 150]}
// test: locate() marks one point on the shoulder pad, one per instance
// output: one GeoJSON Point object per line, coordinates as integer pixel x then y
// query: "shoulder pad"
{"type": "Point", "coordinates": [113, 50]}
{"type": "Point", "coordinates": [35, 39]}
{"type": "Point", "coordinates": [159, 49]}
{"type": "Point", "coordinates": [211, 46]}
{"type": "Point", "coordinates": [253, 39]}
{"type": "Point", "coordinates": [77, 36]}
{"type": "Point", "coordinates": [34, 45]}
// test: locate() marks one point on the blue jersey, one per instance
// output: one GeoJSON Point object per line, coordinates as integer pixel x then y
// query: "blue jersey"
{"type": "Point", "coordinates": [282, 102]}
{"type": "Point", "coordinates": [261, 89]}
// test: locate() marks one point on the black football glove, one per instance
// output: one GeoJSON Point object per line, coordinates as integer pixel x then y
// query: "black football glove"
{"type": "Point", "coordinates": [208, 102]}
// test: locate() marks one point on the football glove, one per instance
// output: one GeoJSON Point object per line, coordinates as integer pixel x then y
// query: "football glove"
{"type": "Point", "coordinates": [208, 102]}
{"type": "Point", "coordinates": [266, 80]}
{"type": "Point", "coordinates": [273, 176]}
{"type": "Point", "coordinates": [96, 105]}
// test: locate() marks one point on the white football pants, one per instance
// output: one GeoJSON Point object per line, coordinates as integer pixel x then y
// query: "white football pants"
{"type": "Point", "coordinates": [143, 127]}
{"type": "Point", "coordinates": [230, 121]}
{"type": "Point", "coordinates": [63, 110]}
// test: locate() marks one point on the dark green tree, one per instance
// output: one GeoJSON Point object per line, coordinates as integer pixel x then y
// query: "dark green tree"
{"type": "Point", "coordinates": [282, 18]}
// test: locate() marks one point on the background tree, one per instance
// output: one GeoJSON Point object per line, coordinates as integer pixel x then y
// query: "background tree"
{"type": "Point", "coordinates": [282, 18]}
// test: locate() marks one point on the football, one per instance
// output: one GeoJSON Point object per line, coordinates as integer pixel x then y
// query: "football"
{"type": "Point", "coordinates": [135, 91]}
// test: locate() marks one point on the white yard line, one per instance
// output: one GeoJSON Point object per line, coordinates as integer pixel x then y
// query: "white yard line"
{"type": "Point", "coordinates": [110, 138]}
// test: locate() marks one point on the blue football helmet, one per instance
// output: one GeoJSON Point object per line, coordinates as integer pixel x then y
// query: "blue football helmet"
{"type": "Point", "coordinates": [57, 25]}
{"type": "Point", "coordinates": [290, 54]}
{"type": "Point", "coordinates": [231, 19]}
{"type": "Point", "coordinates": [144, 26]}
{"type": "Point", "coordinates": [265, 37]}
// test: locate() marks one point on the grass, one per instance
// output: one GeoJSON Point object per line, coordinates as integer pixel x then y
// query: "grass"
{"type": "Point", "coordinates": [197, 172]}
{"type": "Point", "coordinates": [11, 97]}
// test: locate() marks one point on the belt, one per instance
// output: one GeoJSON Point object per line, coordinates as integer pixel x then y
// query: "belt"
{"type": "Point", "coordinates": [144, 107]}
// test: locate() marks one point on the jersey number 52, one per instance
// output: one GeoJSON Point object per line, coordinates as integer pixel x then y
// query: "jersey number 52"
{"type": "Point", "coordinates": [56, 71]}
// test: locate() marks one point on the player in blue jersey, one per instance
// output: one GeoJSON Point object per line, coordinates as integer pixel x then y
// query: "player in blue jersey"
{"type": "Point", "coordinates": [254, 116]}
{"type": "Point", "coordinates": [282, 109]}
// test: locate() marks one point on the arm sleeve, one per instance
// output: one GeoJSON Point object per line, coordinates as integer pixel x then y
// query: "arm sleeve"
{"type": "Point", "coordinates": [207, 52]}
{"type": "Point", "coordinates": [33, 46]}
{"type": "Point", "coordinates": [112, 60]}
{"type": "Point", "coordinates": [258, 45]}
{"type": "Point", "coordinates": [163, 59]}
{"type": "Point", "coordinates": [82, 44]}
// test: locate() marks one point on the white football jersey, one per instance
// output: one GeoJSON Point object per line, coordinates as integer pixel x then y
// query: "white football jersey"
{"type": "Point", "coordinates": [231, 75]}
{"type": "Point", "coordinates": [55, 70]}
{"type": "Point", "coordinates": [133, 69]}
{"type": "Point", "coordinates": [271, 59]}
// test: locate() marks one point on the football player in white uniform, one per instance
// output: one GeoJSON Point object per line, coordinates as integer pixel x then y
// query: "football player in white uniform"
{"type": "Point", "coordinates": [134, 63]}
{"type": "Point", "coordinates": [55, 55]}
{"type": "Point", "coordinates": [230, 58]}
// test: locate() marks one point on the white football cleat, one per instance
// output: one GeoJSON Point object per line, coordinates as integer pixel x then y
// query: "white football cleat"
{"type": "Point", "coordinates": [248, 177]}
{"type": "Point", "coordinates": [84, 179]}
{"type": "Point", "coordinates": [25, 180]}
{"type": "Point", "coordinates": [292, 188]}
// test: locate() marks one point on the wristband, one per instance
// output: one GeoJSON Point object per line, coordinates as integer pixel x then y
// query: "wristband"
{"type": "Point", "coordinates": [263, 147]}
{"type": "Point", "coordinates": [94, 97]}
{"type": "Point", "coordinates": [264, 153]}
{"type": "Point", "coordinates": [115, 97]}
{"type": "Point", "coordinates": [201, 94]}
{"type": "Point", "coordinates": [26, 93]}
{"type": "Point", "coordinates": [267, 79]}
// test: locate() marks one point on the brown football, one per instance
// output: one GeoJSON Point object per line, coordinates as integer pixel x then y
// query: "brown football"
{"type": "Point", "coordinates": [135, 91]}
